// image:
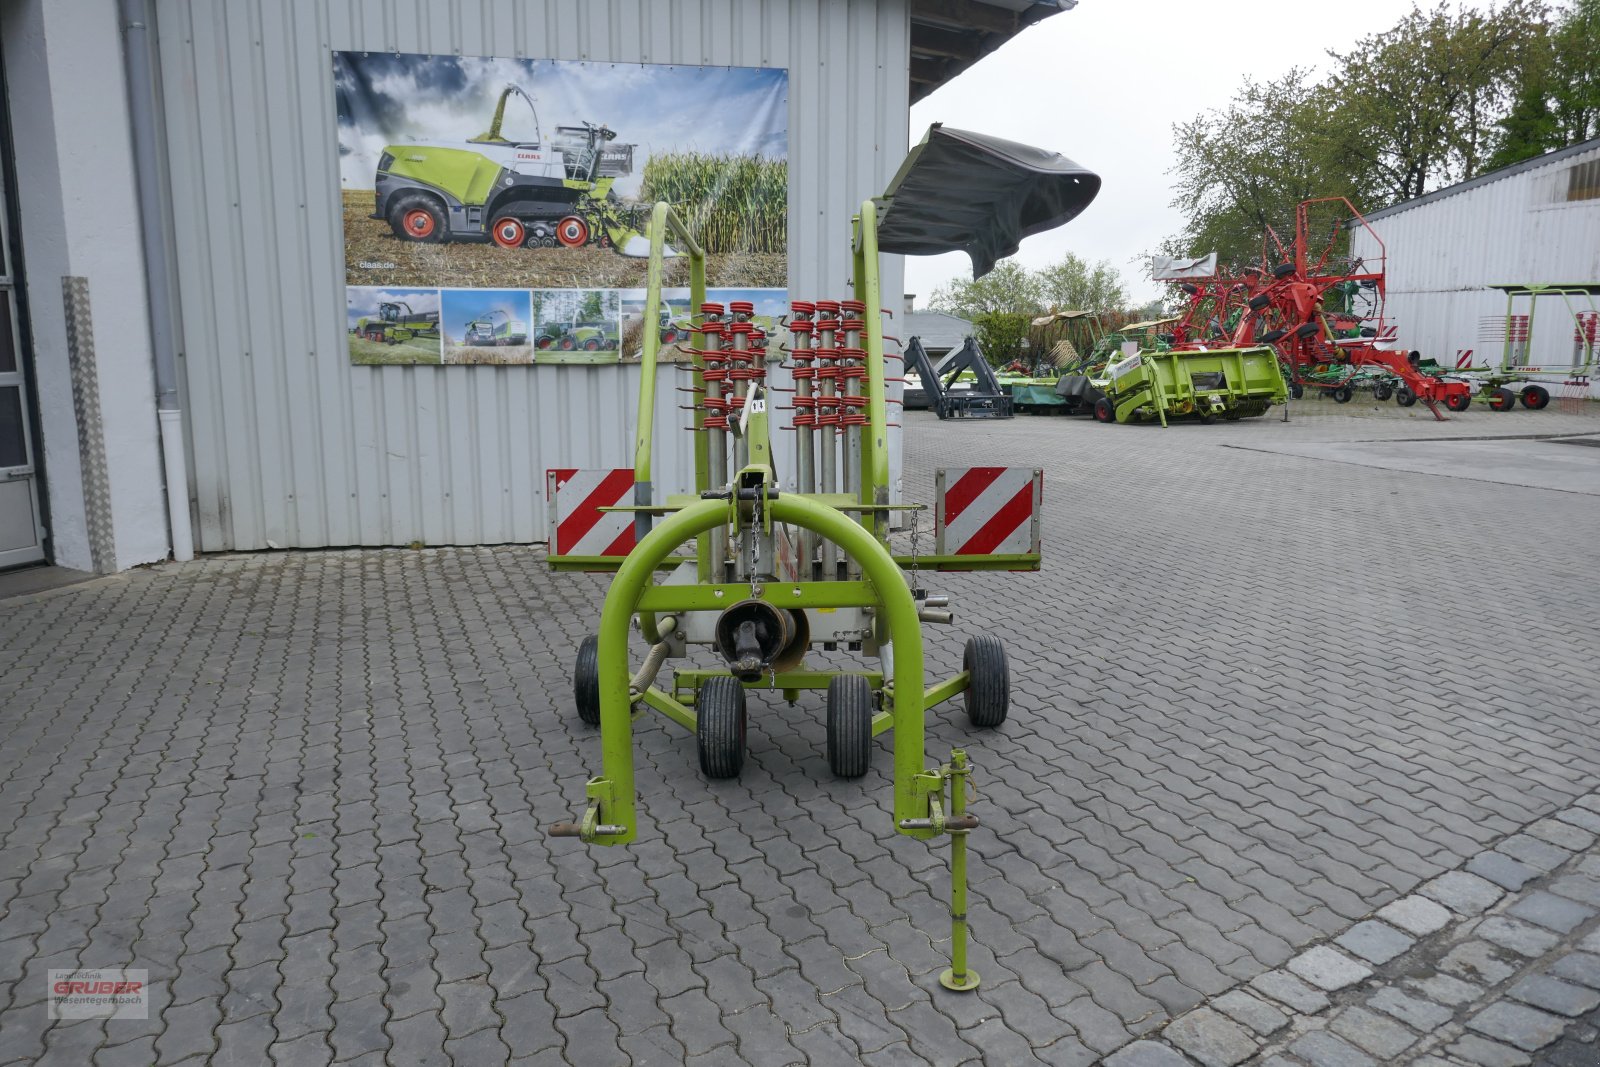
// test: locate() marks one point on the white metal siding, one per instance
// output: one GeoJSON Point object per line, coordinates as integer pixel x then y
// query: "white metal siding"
{"type": "Point", "coordinates": [290, 443]}
{"type": "Point", "coordinates": [1443, 255]}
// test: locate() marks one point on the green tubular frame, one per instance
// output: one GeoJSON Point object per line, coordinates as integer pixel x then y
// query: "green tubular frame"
{"type": "Point", "coordinates": [862, 538]}
{"type": "Point", "coordinates": [613, 795]}
{"type": "Point", "coordinates": [857, 525]}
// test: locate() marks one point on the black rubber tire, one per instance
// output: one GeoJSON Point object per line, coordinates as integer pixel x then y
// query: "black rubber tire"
{"type": "Point", "coordinates": [1260, 301]}
{"type": "Point", "coordinates": [850, 712]}
{"type": "Point", "coordinates": [1342, 395]}
{"type": "Point", "coordinates": [1458, 402]}
{"type": "Point", "coordinates": [1536, 398]}
{"type": "Point", "coordinates": [1382, 391]}
{"type": "Point", "coordinates": [1296, 391]}
{"type": "Point", "coordinates": [1307, 329]}
{"type": "Point", "coordinates": [406, 203]}
{"type": "Point", "coordinates": [1207, 419]}
{"type": "Point", "coordinates": [1283, 270]}
{"type": "Point", "coordinates": [1404, 397]}
{"type": "Point", "coordinates": [586, 681]}
{"type": "Point", "coordinates": [1271, 336]}
{"type": "Point", "coordinates": [719, 734]}
{"type": "Point", "coordinates": [989, 688]}
{"type": "Point", "coordinates": [1103, 411]}
{"type": "Point", "coordinates": [1504, 400]}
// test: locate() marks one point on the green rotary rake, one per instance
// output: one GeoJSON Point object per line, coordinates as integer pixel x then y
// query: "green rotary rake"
{"type": "Point", "coordinates": [762, 574]}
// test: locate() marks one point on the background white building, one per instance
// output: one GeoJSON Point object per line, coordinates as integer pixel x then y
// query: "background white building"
{"type": "Point", "coordinates": [1537, 221]}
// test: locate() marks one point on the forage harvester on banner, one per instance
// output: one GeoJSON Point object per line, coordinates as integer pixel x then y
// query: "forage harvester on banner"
{"type": "Point", "coordinates": [534, 193]}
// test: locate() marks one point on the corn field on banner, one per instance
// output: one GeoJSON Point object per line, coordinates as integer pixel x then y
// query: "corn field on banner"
{"type": "Point", "coordinates": [495, 210]}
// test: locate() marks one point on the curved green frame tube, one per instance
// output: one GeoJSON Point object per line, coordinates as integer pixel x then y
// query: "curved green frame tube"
{"type": "Point", "coordinates": [615, 790]}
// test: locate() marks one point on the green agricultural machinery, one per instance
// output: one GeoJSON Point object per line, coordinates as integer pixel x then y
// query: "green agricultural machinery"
{"type": "Point", "coordinates": [487, 331]}
{"type": "Point", "coordinates": [1228, 383]}
{"type": "Point", "coordinates": [1515, 379]}
{"type": "Point", "coordinates": [514, 193]}
{"type": "Point", "coordinates": [575, 336]}
{"type": "Point", "coordinates": [396, 322]}
{"type": "Point", "coordinates": [761, 575]}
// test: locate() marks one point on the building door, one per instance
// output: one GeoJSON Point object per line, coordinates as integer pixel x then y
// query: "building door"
{"type": "Point", "coordinates": [21, 524]}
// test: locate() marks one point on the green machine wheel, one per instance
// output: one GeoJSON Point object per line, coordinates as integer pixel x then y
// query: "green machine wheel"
{"type": "Point", "coordinates": [989, 687]}
{"type": "Point", "coordinates": [720, 727]}
{"type": "Point", "coordinates": [849, 725]}
{"type": "Point", "coordinates": [586, 681]}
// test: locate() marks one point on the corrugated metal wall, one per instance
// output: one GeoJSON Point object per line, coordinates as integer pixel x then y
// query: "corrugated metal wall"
{"type": "Point", "coordinates": [1520, 228]}
{"type": "Point", "coordinates": [292, 445]}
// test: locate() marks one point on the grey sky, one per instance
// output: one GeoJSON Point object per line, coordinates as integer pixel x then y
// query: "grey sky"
{"type": "Point", "coordinates": [1103, 84]}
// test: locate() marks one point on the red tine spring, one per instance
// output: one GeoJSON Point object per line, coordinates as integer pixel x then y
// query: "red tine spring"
{"type": "Point", "coordinates": [711, 309]}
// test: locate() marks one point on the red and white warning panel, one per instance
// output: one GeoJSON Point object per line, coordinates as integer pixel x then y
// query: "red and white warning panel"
{"type": "Point", "coordinates": [988, 511]}
{"type": "Point", "coordinates": [578, 528]}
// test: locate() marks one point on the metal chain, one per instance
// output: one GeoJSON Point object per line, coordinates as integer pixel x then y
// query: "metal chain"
{"type": "Point", "coordinates": [755, 547]}
{"type": "Point", "coordinates": [916, 530]}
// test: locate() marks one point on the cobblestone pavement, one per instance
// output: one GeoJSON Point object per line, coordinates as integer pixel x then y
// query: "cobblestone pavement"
{"type": "Point", "coordinates": [1256, 698]}
{"type": "Point", "coordinates": [1487, 966]}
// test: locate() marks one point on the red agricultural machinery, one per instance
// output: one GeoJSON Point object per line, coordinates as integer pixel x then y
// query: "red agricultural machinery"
{"type": "Point", "coordinates": [1320, 308]}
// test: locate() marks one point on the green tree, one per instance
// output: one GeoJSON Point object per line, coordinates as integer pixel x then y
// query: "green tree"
{"type": "Point", "coordinates": [1244, 168]}
{"type": "Point", "coordinates": [1009, 288]}
{"type": "Point", "coordinates": [1074, 284]}
{"type": "Point", "coordinates": [1403, 112]}
{"type": "Point", "coordinates": [1003, 303]}
{"type": "Point", "coordinates": [1558, 101]}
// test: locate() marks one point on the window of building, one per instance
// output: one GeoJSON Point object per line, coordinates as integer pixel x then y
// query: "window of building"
{"type": "Point", "coordinates": [1583, 181]}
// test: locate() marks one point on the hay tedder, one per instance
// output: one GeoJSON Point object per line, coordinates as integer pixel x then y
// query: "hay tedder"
{"type": "Point", "coordinates": [1320, 309]}
{"type": "Point", "coordinates": [762, 574]}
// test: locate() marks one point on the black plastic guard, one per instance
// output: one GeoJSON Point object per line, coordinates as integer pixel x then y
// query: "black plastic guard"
{"type": "Point", "coordinates": [970, 192]}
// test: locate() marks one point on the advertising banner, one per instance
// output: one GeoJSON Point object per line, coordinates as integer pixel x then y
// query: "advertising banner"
{"type": "Point", "coordinates": [495, 210]}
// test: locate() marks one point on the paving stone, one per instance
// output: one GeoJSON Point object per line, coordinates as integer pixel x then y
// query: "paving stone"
{"type": "Point", "coordinates": [1212, 1038]}
{"type": "Point", "coordinates": [1580, 967]}
{"type": "Point", "coordinates": [1424, 1015]}
{"type": "Point", "coordinates": [1581, 817]}
{"type": "Point", "coordinates": [1502, 870]}
{"type": "Point", "coordinates": [1146, 1054]}
{"type": "Point", "coordinates": [1377, 1034]}
{"type": "Point", "coordinates": [1552, 912]}
{"type": "Point", "coordinates": [1416, 915]}
{"type": "Point", "coordinates": [1254, 1012]}
{"type": "Point", "coordinates": [1554, 995]}
{"type": "Point", "coordinates": [1542, 856]}
{"type": "Point", "coordinates": [1443, 989]}
{"type": "Point", "coordinates": [1287, 989]}
{"type": "Point", "coordinates": [1524, 939]}
{"type": "Point", "coordinates": [1516, 1024]}
{"type": "Point", "coordinates": [1580, 887]}
{"type": "Point", "coordinates": [1374, 941]}
{"type": "Point", "coordinates": [1474, 1049]}
{"type": "Point", "coordinates": [1463, 893]}
{"type": "Point", "coordinates": [1328, 969]}
{"type": "Point", "coordinates": [1477, 961]}
{"type": "Point", "coordinates": [1322, 1049]}
{"type": "Point", "coordinates": [1562, 835]}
